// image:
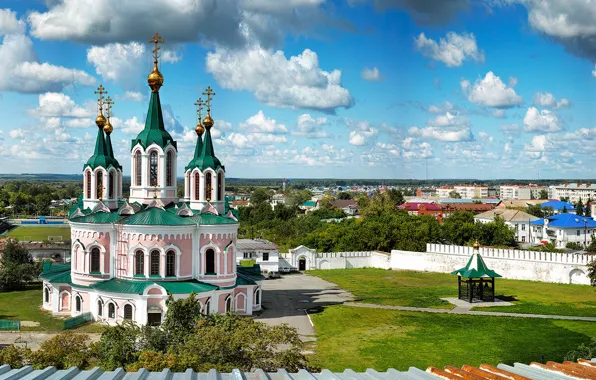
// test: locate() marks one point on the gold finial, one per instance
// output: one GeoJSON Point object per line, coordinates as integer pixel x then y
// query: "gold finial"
{"type": "Point", "coordinates": [108, 128]}
{"type": "Point", "coordinates": [100, 121]}
{"type": "Point", "coordinates": [199, 129]}
{"type": "Point", "coordinates": [155, 79]}
{"type": "Point", "coordinates": [208, 121]}
{"type": "Point", "coordinates": [476, 245]}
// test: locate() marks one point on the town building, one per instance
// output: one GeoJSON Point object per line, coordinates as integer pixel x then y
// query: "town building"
{"type": "Point", "coordinates": [127, 256]}
{"type": "Point", "coordinates": [423, 208]}
{"type": "Point", "coordinates": [573, 192]}
{"type": "Point", "coordinates": [349, 206]}
{"type": "Point", "coordinates": [561, 229]}
{"type": "Point", "coordinates": [464, 191]}
{"type": "Point", "coordinates": [277, 199]}
{"type": "Point", "coordinates": [558, 207]}
{"type": "Point", "coordinates": [264, 252]}
{"type": "Point", "coordinates": [476, 208]}
{"type": "Point", "coordinates": [518, 220]}
{"type": "Point", "coordinates": [521, 192]}
{"type": "Point", "coordinates": [427, 192]}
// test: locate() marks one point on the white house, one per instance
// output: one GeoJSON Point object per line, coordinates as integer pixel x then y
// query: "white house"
{"type": "Point", "coordinates": [277, 199]}
{"type": "Point", "coordinates": [561, 229]}
{"type": "Point", "coordinates": [519, 220]}
{"type": "Point", "coordinates": [264, 252]}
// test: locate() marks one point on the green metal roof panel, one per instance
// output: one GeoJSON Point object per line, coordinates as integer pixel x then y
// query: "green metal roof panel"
{"type": "Point", "coordinates": [97, 217]}
{"type": "Point", "coordinates": [155, 216]}
{"type": "Point", "coordinates": [476, 268]}
{"type": "Point", "coordinates": [154, 131]}
{"type": "Point", "coordinates": [110, 151]}
{"type": "Point", "coordinates": [207, 158]}
{"type": "Point", "coordinates": [101, 157]}
{"type": "Point", "coordinates": [138, 287]}
{"type": "Point", "coordinates": [309, 204]}
{"type": "Point", "coordinates": [216, 219]}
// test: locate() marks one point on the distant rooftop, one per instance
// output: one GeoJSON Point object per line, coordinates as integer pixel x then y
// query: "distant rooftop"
{"type": "Point", "coordinates": [244, 245]}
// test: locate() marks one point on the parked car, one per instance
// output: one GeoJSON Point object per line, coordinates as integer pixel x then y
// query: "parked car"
{"type": "Point", "coordinates": [273, 274]}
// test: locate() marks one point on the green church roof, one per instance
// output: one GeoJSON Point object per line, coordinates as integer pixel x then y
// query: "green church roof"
{"type": "Point", "coordinates": [154, 131]}
{"type": "Point", "coordinates": [207, 157]}
{"type": "Point", "coordinates": [101, 156]}
{"type": "Point", "coordinates": [476, 268]}
{"type": "Point", "coordinates": [111, 151]}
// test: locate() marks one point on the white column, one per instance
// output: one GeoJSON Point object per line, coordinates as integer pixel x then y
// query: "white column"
{"type": "Point", "coordinates": [55, 300]}
{"type": "Point", "coordinates": [93, 187]}
{"type": "Point", "coordinates": [161, 170]}
{"type": "Point", "coordinates": [141, 311]}
{"type": "Point", "coordinates": [215, 302]}
{"type": "Point", "coordinates": [186, 182]}
{"type": "Point", "coordinates": [178, 254]}
{"type": "Point", "coordinates": [249, 300]}
{"type": "Point", "coordinates": [146, 264]}
{"type": "Point", "coordinates": [145, 173]}
{"type": "Point", "coordinates": [214, 187]}
{"type": "Point", "coordinates": [201, 187]}
{"type": "Point", "coordinates": [105, 184]}
{"type": "Point", "coordinates": [162, 264]}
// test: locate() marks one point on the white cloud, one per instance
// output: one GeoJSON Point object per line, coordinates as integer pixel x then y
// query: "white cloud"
{"type": "Point", "coordinates": [452, 50]}
{"type": "Point", "coordinates": [133, 96]}
{"type": "Point", "coordinates": [79, 123]}
{"type": "Point", "coordinates": [541, 121]}
{"type": "Point", "coordinates": [9, 24]}
{"type": "Point", "coordinates": [442, 134]}
{"type": "Point", "coordinates": [118, 62]}
{"type": "Point", "coordinates": [311, 127]}
{"type": "Point", "coordinates": [371, 74]}
{"type": "Point", "coordinates": [538, 146]}
{"type": "Point", "coordinates": [23, 73]}
{"type": "Point", "coordinates": [57, 104]}
{"type": "Point", "coordinates": [425, 12]}
{"type": "Point", "coordinates": [546, 99]}
{"type": "Point", "coordinates": [491, 92]}
{"type": "Point", "coordinates": [260, 124]}
{"type": "Point", "coordinates": [16, 134]}
{"type": "Point", "coordinates": [297, 82]}
{"type": "Point", "coordinates": [499, 113]}
{"type": "Point", "coordinates": [130, 127]}
{"type": "Point", "coordinates": [411, 149]}
{"type": "Point", "coordinates": [241, 140]}
{"type": "Point", "coordinates": [361, 132]}
{"type": "Point", "coordinates": [450, 120]}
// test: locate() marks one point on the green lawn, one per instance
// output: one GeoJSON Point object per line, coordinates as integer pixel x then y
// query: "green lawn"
{"type": "Point", "coordinates": [425, 289]}
{"type": "Point", "coordinates": [39, 233]}
{"type": "Point", "coordinates": [361, 338]}
{"type": "Point", "coordinates": [25, 305]}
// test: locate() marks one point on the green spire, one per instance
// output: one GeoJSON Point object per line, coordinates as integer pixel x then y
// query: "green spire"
{"type": "Point", "coordinates": [206, 158]}
{"type": "Point", "coordinates": [195, 162]}
{"type": "Point", "coordinates": [101, 157]}
{"type": "Point", "coordinates": [154, 131]}
{"type": "Point", "coordinates": [110, 151]}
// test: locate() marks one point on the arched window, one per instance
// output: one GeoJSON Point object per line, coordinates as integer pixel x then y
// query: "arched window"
{"type": "Point", "coordinates": [257, 297]}
{"type": "Point", "coordinates": [111, 310]}
{"type": "Point", "coordinates": [169, 159]}
{"type": "Point", "coordinates": [88, 181]}
{"type": "Point", "coordinates": [207, 307]}
{"type": "Point", "coordinates": [197, 187]}
{"type": "Point", "coordinates": [111, 185]}
{"type": "Point", "coordinates": [99, 184]}
{"type": "Point", "coordinates": [220, 188]}
{"type": "Point", "coordinates": [138, 168]}
{"type": "Point", "coordinates": [153, 169]}
{"type": "Point", "coordinates": [78, 304]}
{"type": "Point", "coordinates": [46, 295]}
{"type": "Point", "coordinates": [171, 263]}
{"type": "Point", "coordinates": [154, 263]}
{"type": "Point", "coordinates": [99, 308]}
{"type": "Point", "coordinates": [128, 312]}
{"type": "Point", "coordinates": [229, 304]}
{"type": "Point", "coordinates": [139, 263]}
{"type": "Point", "coordinates": [95, 260]}
{"type": "Point", "coordinates": [210, 261]}
{"type": "Point", "coordinates": [208, 186]}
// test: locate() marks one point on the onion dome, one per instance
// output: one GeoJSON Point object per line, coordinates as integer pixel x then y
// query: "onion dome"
{"type": "Point", "coordinates": [155, 78]}
{"type": "Point", "coordinates": [476, 245]}
{"type": "Point", "coordinates": [100, 120]}
{"type": "Point", "coordinates": [108, 128]}
{"type": "Point", "coordinates": [199, 129]}
{"type": "Point", "coordinates": [208, 122]}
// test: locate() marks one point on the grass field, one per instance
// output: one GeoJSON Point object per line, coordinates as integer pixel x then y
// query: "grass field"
{"type": "Point", "coordinates": [424, 289]}
{"type": "Point", "coordinates": [361, 338]}
{"type": "Point", "coordinates": [40, 233]}
{"type": "Point", "coordinates": [25, 305]}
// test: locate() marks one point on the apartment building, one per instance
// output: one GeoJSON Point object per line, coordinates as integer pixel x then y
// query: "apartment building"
{"type": "Point", "coordinates": [520, 192]}
{"type": "Point", "coordinates": [573, 191]}
{"type": "Point", "coordinates": [464, 191]}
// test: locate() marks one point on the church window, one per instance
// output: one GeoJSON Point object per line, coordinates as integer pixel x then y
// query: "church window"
{"type": "Point", "coordinates": [88, 175]}
{"type": "Point", "coordinates": [153, 169]}
{"type": "Point", "coordinates": [138, 168]}
{"type": "Point", "coordinates": [111, 185]}
{"type": "Point", "coordinates": [171, 263]}
{"type": "Point", "coordinates": [229, 304]}
{"type": "Point", "coordinates": [46, 295]}
{"type": "Point", "coordinates": [210, 261]}
{"type": "Point", "coordinates": [206, 309]}
{"type": "Point", "coordinates": [220, 189]}
{"type": "Point", "coordinates": [99, 308]}
{"type": "Point", "coordinates": [78, 304]}
{"type": "Point", "coordinates": [208, 186]}
{"type": "Point", "coordinates": [99, 184]}
{"type": "Point", "coordinates": [197, 179]}
{"type": "Point", "coordinates": [95, 260]}
{"type": "Point", "coordinates": [155, 263]}
{"type": "Point", "coordinates": [139, 263]}
{"type": "Point", "coordinates": [111, 311]}
{"type": "Point", "coordinates": [169, 159]}
{"type": "Point", "coordinates": [128, 312]}
{"type": "Point", "coordinates": [257, 297]}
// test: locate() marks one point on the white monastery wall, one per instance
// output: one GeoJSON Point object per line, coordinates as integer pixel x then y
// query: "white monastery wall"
{"type": "Point", "coordinates": [565, 268]}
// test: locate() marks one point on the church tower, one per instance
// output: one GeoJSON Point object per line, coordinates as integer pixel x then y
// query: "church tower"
{"type": "Point", "coordinates": [154, 151]}
{"type": "Point", "coordinates": [102, 174]}
{"type": "Point", "coordinates": [204, 177]}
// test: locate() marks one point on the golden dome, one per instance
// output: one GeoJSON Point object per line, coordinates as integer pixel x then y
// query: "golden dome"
{"type": "Point", "coordinates": [476, 245]}
{"type": "Point", "coordinates": [200, 129]}
{"type": "Point", "coordinates": [155, 79]}
{"type": "Point", "coordinates": [208, 121]}
{"type": "Point", "coordinates": [100, 121]}
{"type": "Point", "coordinates": [108, 127]}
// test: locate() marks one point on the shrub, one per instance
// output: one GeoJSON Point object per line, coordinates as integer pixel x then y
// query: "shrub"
{"type": "Point", "coordinates": [63, 351]}
{"type": "Point", "coordinates": [16, 357]}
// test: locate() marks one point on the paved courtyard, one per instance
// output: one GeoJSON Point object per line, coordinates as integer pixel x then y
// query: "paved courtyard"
{"type": "Point", "coordinates": [286, 299]}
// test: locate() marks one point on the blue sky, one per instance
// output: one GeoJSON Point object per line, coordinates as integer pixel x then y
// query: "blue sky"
{"type": "Point", "coordinates": [311, 88]}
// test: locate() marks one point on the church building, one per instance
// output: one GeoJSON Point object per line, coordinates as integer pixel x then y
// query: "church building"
{"type": "Point", "coordinates": [129, 255]}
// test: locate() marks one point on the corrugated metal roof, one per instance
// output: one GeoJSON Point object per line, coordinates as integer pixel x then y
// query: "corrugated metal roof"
{"type": "Point", "coordinates": [255, 244]}
{"type": "Point", "coordinates": [584, 369]}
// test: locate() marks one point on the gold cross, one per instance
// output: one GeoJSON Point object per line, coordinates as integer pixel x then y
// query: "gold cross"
{"type": "Point", "coordinates": [199, 103]}
{"type": "Point", "coordinates": [209, 92]}
{"type": "Point", "coordinates": [109, 103]}
{"type": "Point", "coordinates": [156, 39]}
{"type": "Point", "coordinates": [101, 91]}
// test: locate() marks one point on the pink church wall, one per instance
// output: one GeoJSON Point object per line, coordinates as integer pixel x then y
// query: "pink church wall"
{"type": "Point", "coordinates": [231, 260]}
{"type": "Point", "coordinates": [65, 302]}
{"type": "Point", "coordinates": [87, 238]}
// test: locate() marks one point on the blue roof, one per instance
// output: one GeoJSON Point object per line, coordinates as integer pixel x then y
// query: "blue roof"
{"type": "Point", "coordinates": [567, 221]}
{"type": "Point", "coordinates": [558, 205]}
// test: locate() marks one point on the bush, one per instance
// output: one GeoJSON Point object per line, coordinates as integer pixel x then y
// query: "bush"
{"type": "Point", "coordinates": [584, 351]}
{"type": "Point", "coordinates": [63, 351]}
{"type": "Point", "coordinates": [572, 245]}
{"type": "Point", "coordinates": [16, 357]}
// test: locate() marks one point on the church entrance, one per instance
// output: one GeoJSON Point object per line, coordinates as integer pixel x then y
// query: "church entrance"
{"type": "Point", "coordinates": [154, 316]}
{"type": "Point", "coordinates": [302, 263]}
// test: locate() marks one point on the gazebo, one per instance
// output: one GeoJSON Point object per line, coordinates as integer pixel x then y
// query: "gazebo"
{"type": "Point", "coordinates": [475, 282]}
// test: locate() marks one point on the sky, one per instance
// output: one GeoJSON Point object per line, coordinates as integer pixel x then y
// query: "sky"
{"type": "Point", "coordinates": [468, 89]}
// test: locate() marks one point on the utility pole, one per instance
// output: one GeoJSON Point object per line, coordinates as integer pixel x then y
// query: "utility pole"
{"type": "Point", "coordinates": [585, 232]}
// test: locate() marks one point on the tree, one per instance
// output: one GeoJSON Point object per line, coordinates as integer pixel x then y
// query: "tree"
{"type": "Point", "coordinates": [592, 269]}
{"type": "Point", "coordinates": [454, 194]}
{"type": "Point", "coordinates": [543, 194]}
{"type": "Point", "coordinates": [564, 211]}
{"type": "Point", "coordinates": [588, 209]}
{"type": "Point", "coordinates": [579, 208]}
{"type": "Point", "coordinates": [16, 266]}
{"type": "Point", "coordinates": [345, 195]}
{"type": "Point", "coordinates": [181, 318]}
{"type": "Point", "coordinates": [535, 210]}
{"type": "Point", "coordinates": [62, 351]}
{"type": "Point", "coordinates": [259, 197]}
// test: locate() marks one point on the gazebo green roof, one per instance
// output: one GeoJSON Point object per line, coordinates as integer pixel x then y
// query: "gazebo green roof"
{"type": "Point", "coordinates": [101, 156]}
{"type": "Point", "coordinates": [154, 131]}
{"type": "Point", "coordinates": [476, 268]}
